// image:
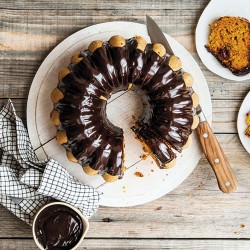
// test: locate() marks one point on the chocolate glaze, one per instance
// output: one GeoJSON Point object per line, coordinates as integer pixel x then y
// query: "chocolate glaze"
{"type": "Point", "coordinates": [92, 139]}
{"type": "Point", "coordinates": [172, 115]}
{"type": "Point", "coordinates": [161, 150]}
{"type": "Point", "coordinates": [58, 227]}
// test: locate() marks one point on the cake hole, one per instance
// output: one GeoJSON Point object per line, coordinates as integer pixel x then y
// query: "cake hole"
{"type": "Point", "coordinates": [227, 183]}
{"type": "Point", "coordinates": [216, 160]}
{"type": "Point", "coordinates": [124, 108]}
{"type": "Point", "coordinates": [205, 135]}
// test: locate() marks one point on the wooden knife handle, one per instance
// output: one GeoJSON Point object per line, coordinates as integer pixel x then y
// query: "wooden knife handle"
{"type": "Point", "coordinates": [226, 178]}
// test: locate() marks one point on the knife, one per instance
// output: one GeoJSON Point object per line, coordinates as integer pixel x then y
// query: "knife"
{"type": "Point", "coordinates": [226, 178]}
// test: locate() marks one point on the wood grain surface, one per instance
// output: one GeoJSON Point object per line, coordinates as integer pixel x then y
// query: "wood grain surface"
{"type": "Point", "coordinates": [196, 215]}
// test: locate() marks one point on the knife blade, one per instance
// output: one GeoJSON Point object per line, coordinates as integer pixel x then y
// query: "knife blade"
{"type": "Point", "coordinates": [156, 35]}
{"type": "Point", "coordinates": [225, 175]}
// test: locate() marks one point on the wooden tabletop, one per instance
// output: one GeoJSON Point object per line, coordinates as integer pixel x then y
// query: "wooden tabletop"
{"type": "Point", "coordinates": [196, 215]}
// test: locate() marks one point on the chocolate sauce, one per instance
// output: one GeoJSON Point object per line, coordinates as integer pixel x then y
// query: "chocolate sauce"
{"type": "Point", "coordinates": [92, 139]}
{"type": "Point", "coordinates": [58, 227]}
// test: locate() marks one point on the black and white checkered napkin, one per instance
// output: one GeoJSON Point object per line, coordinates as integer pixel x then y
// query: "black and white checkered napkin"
{"type": "Point", "coordinates": [26, 184]}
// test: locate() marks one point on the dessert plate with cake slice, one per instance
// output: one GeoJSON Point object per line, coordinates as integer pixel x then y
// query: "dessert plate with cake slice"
{"type": "Point", "coordinates": [243, 123]}
{"type": "Point", "coordinates": [222, 38]}
{"type": "Point", "coordinates": [111, 79]}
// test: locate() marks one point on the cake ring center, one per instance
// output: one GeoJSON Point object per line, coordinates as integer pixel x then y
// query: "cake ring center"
{"type": "Point", "coordinates": [124, 109]}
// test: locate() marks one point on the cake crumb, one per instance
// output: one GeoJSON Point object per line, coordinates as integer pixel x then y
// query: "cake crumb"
{"type": "Point", "coordinates": [103, 98]}
{"type": "Point", "coordinates": [152, 170]}
{"type": "Point", "coordinates": [235, 232]}
{"type": "Point", "coordinates": [201, 185]}
{"type": "Point", "coordinates": [139, 174]}
{"type": "Point", "coordinates": [107, 220]}
{"type": "Point", "coordinates": [144, 157]}
{"type": "Point", "coordinates": [158, 208]}
{"type": "Point", "coordinates": [242, 225]}
{"type": "Point", "coordinates": [124, 168]}
{"type": "Point", "coordinates": [124, 189]}
{"type": "Point", "coordinates": [152, 162]}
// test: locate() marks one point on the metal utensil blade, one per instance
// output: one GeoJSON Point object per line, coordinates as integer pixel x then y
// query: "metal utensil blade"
{"type": "Point", "coordinates": [200, 113]}
{"type": "Point", "coordinates": [156, 35]}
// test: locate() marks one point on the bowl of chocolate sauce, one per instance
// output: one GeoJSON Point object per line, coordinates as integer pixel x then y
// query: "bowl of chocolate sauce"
{"type": "Point", "coordinates": [59, 226]}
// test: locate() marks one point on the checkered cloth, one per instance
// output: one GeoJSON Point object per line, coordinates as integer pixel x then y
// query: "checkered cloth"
{"type": "Point", "coordinates": [26, 184]}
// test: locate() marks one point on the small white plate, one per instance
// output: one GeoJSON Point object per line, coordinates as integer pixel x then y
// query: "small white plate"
{"type": "Point", "coordinates": [241, 122]}
{"type": "Point", "coordinates": [215, 10]}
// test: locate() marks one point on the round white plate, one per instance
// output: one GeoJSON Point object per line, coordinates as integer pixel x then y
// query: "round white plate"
{"type": "Point", "coordinates": [241, 122]}
{"type": "Point", "coordinates": [215, 10]}
{"type": "Point", "coordinates": [131, 190]}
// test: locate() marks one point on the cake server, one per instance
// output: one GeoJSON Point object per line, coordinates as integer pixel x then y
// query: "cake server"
{"type": "Point", "coordinates": [226, 178]}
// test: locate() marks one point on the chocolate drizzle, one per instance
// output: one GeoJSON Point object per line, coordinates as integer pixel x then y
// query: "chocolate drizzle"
{"type": "Point", "coordinates": [167, 117]}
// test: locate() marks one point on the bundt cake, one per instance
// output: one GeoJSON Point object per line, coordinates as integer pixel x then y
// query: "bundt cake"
{"type": "Point", "coordinates": [108, 67]}
{"type": "Point", "coordinates": [229, 42]}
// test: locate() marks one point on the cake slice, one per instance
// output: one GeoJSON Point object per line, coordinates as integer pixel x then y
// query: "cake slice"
{"type": "Point", "coordinates": [229, 42]}
{"type": "Point", "coordinates": [157, 149]}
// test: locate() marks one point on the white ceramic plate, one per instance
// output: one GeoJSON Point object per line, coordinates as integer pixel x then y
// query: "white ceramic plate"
{"type": "Point", "coordinates": [215, 10]}
{"type": "Point", "coordinates": [241, 122]}
{"type": "Point", "coordinates": [131, 190]}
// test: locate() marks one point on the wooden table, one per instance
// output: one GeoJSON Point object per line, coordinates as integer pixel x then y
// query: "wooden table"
{"type": "Point", "coordinates": [196, 215]}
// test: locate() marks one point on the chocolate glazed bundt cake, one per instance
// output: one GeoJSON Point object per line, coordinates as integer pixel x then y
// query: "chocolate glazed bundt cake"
{"type": "Point", "coordinates": [105, 68]}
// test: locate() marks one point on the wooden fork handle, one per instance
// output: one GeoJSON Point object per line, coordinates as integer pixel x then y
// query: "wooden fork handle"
{"type": "Point", "coordinates": [226, 178]}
